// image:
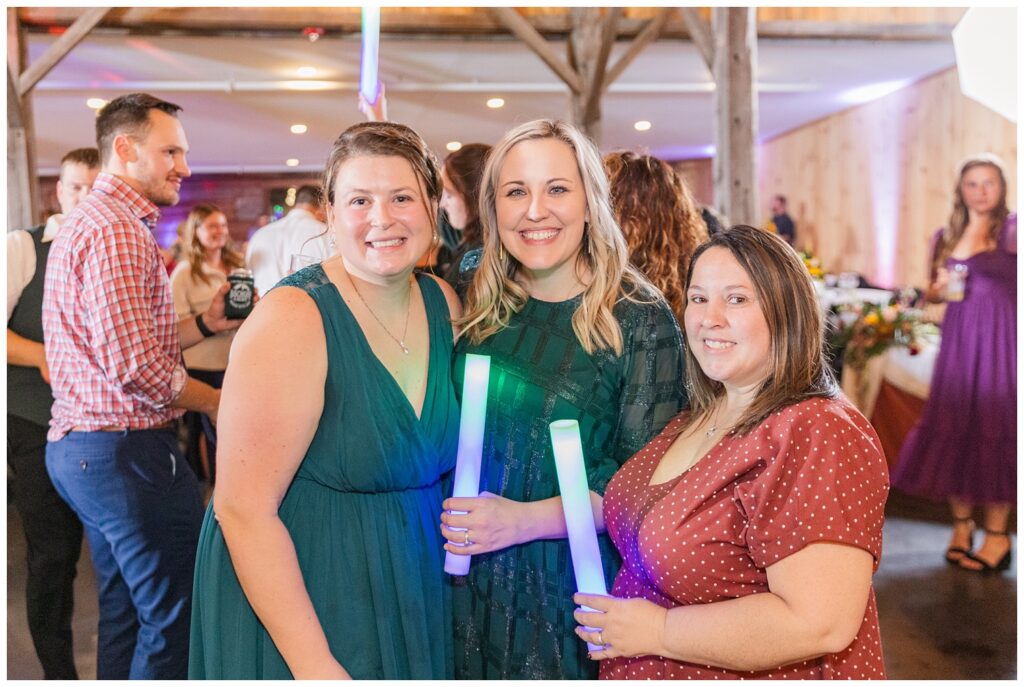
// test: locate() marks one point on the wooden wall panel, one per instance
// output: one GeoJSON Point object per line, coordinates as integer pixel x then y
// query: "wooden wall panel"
{"type": "Point", "coordinates": [699, 178]}
{"type": "Point", "coordinates": [868, 187]}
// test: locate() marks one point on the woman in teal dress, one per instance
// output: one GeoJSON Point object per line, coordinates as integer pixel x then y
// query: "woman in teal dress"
{"type": "Point", "coordinates": [320, 556]}
{"type": "Point", "coordinates": [574, 332]}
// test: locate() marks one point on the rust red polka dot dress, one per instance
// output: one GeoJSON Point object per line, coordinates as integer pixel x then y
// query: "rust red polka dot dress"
{"type": "Point", "coordinates": [811, 472]}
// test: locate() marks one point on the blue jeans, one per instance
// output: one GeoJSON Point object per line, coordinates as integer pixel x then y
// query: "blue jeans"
{"type": "Point", "coordinates": [140, 505]}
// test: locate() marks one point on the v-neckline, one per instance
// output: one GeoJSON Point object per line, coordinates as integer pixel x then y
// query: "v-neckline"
{"type": "Point", "coordinates": [672, 481]}
{"type": "Point", "coordinates": [382, 369]}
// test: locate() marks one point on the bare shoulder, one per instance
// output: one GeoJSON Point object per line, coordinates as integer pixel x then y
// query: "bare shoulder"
{"type": "Point", "coordinates": [285, 321]}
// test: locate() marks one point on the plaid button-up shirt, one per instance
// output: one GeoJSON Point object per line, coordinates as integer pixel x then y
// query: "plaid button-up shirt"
{"type": "Point", "coordinates": [110, 330]}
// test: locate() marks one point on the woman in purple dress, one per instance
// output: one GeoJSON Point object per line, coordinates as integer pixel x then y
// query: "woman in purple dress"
{"type": "Point", "coordinates": [965, 447]}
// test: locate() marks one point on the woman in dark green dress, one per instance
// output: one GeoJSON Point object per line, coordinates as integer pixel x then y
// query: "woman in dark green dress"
{"type": "Point", "coordinates": [320, 556]}
{"type": "Point", "coordinates": [573, 332]}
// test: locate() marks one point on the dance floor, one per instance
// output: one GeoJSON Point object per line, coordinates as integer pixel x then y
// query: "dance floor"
{"type": "Point", "coordinates": [937, 622]}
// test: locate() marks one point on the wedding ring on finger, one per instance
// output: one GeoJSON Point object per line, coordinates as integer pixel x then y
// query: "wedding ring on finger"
{"type": "Point", "coordinates": [466, 541]}
{"type": "Point", "coordinates": [600, 640]}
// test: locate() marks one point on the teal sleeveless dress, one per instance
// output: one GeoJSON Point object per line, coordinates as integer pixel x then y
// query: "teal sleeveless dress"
{"type": "Point", "coordinates": [363, 511]}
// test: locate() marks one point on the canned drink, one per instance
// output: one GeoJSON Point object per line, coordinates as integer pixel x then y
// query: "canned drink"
{"type": "Point", "coordinates": [238, 303]}
{"type": "Point", "coordinates": [957, 283]}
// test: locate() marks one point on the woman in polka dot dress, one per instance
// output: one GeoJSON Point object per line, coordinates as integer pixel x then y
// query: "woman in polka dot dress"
{"type": "Point", "coordinates": [750, 526]}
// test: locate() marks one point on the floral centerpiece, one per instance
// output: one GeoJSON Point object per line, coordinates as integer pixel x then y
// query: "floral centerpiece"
{"type": "Point", "coordinates": [812, 264]}
{"type": "Point", "coordinates": [866, 330]}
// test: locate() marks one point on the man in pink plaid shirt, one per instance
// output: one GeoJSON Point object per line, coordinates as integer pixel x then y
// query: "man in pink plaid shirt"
{"type": "Point", "coordinates": [113, 345]}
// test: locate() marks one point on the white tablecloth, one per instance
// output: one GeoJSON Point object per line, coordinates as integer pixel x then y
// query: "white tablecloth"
{"type": "Point", "coordinates": [835, 296]}
{"type": "Point", "coordinates": [910, 373]}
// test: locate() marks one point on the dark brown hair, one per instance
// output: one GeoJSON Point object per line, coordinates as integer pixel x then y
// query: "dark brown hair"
{"type": "Point", "coordinates": [661, 221]}
{"type": "Point", "coordinates": [193, 249]}
{"type": "Point", "coordinates": [958, 219]}
{"type": "Point", "coordinates": [127, 114]}
{"type": "Point", "coordinates": [465, 169]}
{"type": "Point", "coordinates": [385, 139]}
{"type": "Point", "coordinates": [796, 368]}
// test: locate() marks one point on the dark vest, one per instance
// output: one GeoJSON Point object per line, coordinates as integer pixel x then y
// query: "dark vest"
{"type": "Point", "coordinates": [28, 396]}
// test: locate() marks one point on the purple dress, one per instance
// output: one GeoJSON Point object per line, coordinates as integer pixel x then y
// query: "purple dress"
{"type": "Point", "coordinates": [966, 442]}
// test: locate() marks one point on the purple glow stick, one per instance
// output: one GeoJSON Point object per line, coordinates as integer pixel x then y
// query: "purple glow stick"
{"type": "Point", "coordinates": [471, 444]}
{"type": "Point", "coordinates": [579, 513]}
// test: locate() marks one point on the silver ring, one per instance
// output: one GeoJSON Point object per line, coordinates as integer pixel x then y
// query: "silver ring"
{"type": "Point", "coordinates": [600, 640]}
{"type": "Point", "coordinates": [466, 541]}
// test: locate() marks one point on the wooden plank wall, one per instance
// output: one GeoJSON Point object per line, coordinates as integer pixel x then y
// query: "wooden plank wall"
{"type": "Point", "coordinates": [868, 186]}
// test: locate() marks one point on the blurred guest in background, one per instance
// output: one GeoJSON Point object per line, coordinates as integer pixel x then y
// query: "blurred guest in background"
{"type": "Point", "coordinates": [52, 530]}
{"type": "Point", "coordinates": [965, 448]}
{"type": "Point", "coordinates": [298, 239]}
{"type": "Point", "coordinates": [461, 175]}
{"type": "Point", "coordinates": [659, 218]}
{"type": "Point", "coordinates": [750, 527]}
{"type": "Point", "coordinates": [781, 221]}
{"type": "Point", "coordinates": [573, 331]}
{"type": "Point", "coordinates": [195, 281]}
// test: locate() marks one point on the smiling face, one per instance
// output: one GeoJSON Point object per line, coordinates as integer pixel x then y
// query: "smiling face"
{"type": "Point", "coordinates": [541, 207]}
{"type": "Point", "coordinates": [212, 232]}
{"type": "Point", "coordinates": [981, 189]}
{"type": "Point", "coordinates": [380, 216]}
{"type": "Point", "coordinates": [453, 202]}
{"type": "Point", "coordinates": [725, 327]}
{"type": "Point", "coordinates": [155, 162]}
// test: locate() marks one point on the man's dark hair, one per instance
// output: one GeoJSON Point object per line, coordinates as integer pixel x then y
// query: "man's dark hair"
{"type": "Point", "coordinates": [90, 157]}
{"type": "Point", "coordinates": [309, 195]}
{"type": "Point", "coordinates": [127, 114]}
{"type": "Point", "coordinates": [781, 198]}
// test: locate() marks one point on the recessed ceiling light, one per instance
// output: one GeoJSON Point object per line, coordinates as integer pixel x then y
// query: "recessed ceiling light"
{"type": "Point", "coordinates": [495, 103]}
{"type": "Point", "coordinates": [95, 103]}
{"type": "Point", "coordinates": [298, 128]}
{"type": "Point", "coordinates": [292, 162]}
{"type": "Point", "coordinates": [453, 146]}
{"type": "Point", "coordinates": [642, 125]}
{"type": "Point", "coordinates": [306, 72]}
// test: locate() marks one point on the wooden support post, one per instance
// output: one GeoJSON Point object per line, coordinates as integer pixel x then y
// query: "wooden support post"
{"type": "Point", "coordinates": [591, 37]}
{"type": "Point", "coordinates": [22, 180]}
{"type": "Point", "coordinates": [590, 43]}
{"type": "Point", "coordinates": [735, 103]}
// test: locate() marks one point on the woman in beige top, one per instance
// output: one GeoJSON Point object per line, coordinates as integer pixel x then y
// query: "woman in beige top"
{"type": "Point", "coordinates": [203, 270]}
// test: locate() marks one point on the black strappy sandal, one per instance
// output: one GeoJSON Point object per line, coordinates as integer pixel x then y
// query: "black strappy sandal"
{"type": "Point", "coordinates": [955, 554]}
{"type": "Point", "coordinates": [986, 567]}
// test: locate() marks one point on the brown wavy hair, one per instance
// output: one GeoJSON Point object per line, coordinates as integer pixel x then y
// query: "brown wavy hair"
{"type": "Point", "coordinates": [958, 219]}
{"type": "Point", "coordinates": [494, 296]}
{"type": "Point", "coordinates": [193, 249]}
{"type": "Point", "coordinates": [796, 368]}
{"type": "Point", "coordinates": [662, 223]}
{"type": "Point", "coordinates": [465, 169]}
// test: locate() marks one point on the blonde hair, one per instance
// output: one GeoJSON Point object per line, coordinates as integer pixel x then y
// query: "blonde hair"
{"type": "Point", "coordinates": [193, 250]}
{"type": "Point", "coordinates": [796, 368]}
{"type": "Point", "coordinates": [494, 296]}
{"type": "Point", "coordinates": [958, 219]}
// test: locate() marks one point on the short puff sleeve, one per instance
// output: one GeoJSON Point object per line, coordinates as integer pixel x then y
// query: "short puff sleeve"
{"type": "Point", "coordinates": [825, 480]}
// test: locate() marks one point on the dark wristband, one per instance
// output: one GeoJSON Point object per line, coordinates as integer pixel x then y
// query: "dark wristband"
{"type": "Point", "coordinates": [203, 329]}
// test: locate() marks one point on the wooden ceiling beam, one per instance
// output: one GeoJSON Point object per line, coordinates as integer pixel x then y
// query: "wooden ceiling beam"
{"type": "Point", "coordinates": [478, 22]}
{"type": "Point", "coordinates": [39, 68]}
{"type": "Point", "coordinates": [700, 34]}
{"type": "Point", "coordinates": [524, 30]}
{"type": "Point", "coordinates": [649, 34]}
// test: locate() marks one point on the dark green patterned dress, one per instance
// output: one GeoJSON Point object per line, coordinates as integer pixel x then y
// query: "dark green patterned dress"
{"type": "Point", "coordinates": [362, 512]}
{"type": "Point", "coordinates": [513, 612]}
